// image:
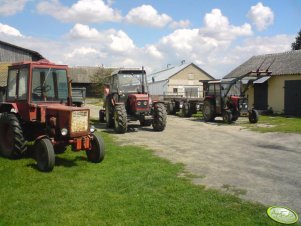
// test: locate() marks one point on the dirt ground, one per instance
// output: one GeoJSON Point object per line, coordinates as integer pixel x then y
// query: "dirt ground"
{"type": "Point", "coordinates": [261, 167]}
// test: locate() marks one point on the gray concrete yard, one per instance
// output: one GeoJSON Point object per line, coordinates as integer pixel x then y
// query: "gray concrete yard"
{"type": "Point", "coordinates": [261, 167]}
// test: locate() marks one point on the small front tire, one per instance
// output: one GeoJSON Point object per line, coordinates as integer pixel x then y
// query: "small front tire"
{"type": "Point", "coordinates": [44, 155]}
{"type": "Point", "coordinates": [97, 152]}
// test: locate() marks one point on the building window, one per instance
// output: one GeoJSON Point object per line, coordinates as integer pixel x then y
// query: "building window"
{"type": "Point", "coordinates": [175, 90]}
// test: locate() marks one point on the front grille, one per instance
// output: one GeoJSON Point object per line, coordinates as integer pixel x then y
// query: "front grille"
{"type": "Point", "coordinates": [79, 121]}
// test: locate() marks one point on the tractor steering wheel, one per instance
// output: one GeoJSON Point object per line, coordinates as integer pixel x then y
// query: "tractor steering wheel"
{"type": "Point", "coordinates": [44, 88]}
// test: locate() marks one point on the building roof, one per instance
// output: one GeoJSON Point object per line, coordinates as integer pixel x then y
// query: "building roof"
{"type": "Point", "coordinates": [82, 74]}
{"type": "Point", "coordinates": [3, 73]}
{"type": "Point", "coordinates": [287, 63]}
{"type": "Point", "coordinates": [169, 72]}
{"type": "Point", "coordinates": [35, 55]}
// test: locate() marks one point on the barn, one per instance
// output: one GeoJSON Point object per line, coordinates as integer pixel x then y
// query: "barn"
{"type": "Point", "coordinates": [181, 80]}
{"type": "Point", "coordinates": [280, 92]}
{"type": "Point", "coordinates": [9, 54]}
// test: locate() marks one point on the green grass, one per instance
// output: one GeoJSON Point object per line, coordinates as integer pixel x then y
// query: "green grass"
{"type": "Point", "coordinates": [130, 187]}
{"type": "Point", "coordinates": [276, 124]}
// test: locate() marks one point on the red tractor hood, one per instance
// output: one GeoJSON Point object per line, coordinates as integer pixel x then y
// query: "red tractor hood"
{"type": "Point", "coordinates": [139, 96]}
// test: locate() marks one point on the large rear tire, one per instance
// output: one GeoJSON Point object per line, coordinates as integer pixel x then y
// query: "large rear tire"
{"type": "Point", "coordinates": [253, 116]}
{"type": "Point", "coordinates": [97, 152]}
{"type": "Point", "coordinates": [12, 142]}
{"type": "Point", "coordinates": [120, 119]}
{"type": "Point", "coordinates": [208, 111]}
{"type": "Point", "coordinates": [160, 115]}
{"type": "Point", "coordinates": [44, 155]}
{"type": "Point", "coordinates": [109, 114]}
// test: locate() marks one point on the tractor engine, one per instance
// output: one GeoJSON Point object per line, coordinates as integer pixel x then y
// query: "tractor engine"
{"type": "Point", "coordinates": [138, 103]}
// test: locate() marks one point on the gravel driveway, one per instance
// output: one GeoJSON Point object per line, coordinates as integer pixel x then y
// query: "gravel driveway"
{"type": "Point", "coordinates": [259, 167]}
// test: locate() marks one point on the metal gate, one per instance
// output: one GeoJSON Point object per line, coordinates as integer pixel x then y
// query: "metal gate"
{"type": "Point", "coordinates": [292, 97]}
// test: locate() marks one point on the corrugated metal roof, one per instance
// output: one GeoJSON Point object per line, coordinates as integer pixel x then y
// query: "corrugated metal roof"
{"type": "Point", "coordinates": [168, 72]}
{"type": "Point", "coordinates": [287, 63]}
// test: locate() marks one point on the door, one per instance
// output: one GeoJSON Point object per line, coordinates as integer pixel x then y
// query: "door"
{"type": "Point", "coordinates": [292, 97]}
{"type": "Point", "coordinates": [261, 96]}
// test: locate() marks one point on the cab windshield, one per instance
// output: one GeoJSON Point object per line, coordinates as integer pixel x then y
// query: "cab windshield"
{"type": "Point", "coordinates": [49, 85]}
{"type": "Point", "coordinates": [132, 82]}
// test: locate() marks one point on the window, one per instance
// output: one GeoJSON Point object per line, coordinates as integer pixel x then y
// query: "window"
{"type": "Point", "coordinates": [22, 88]}
{"type": "Point", "coordinates": [192, 92]}
{"type": "Point", "coordinates": [175, 90]}
{"type": "Point", "coordinates": [12, 84]}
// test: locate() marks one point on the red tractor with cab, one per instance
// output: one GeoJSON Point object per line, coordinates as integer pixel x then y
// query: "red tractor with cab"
{"type": "Point", "coordinates": [126, 99]}
{"type": "Point", "coordinates": [38, 107]}
{"type": "Point", "coordinates": [226, 97]}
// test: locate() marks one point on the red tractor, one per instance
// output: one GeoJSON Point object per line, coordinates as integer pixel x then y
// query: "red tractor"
{"type": "Point", "coordinates": [127, 99]}
{"type": "Point", "coordinates": [38, 108]}
{"type": "Point", "coordinates": [226, 97]}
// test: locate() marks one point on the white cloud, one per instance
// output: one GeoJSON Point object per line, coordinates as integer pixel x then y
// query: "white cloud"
{"type": "Point", "coordinates": [84, 31]}
{"type": "Point", "coordinates": [180, 24]}
{"type": "Point", "coordinates": [261, 16]}
{"type": "Point", "coordinates": [121, 42]}
{"type": "Point", "coordinates": [83, 11]}
{"type": "Point", "coordinates": [8, 30]}
{"type": "Point", "coordinates": [9, 7]}
{"type": "Point", "coordinates": [82, 51]}
{"type": "Point", "coordinates": [218, 27]}
{"type": "Point", "coordinates": [146, 15]}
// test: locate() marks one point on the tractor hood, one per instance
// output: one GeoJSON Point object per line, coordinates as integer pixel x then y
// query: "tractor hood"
{"type": "Point", "coordinates": [58, 117]}
{"type": "Point", "coordinates": [139, 102]}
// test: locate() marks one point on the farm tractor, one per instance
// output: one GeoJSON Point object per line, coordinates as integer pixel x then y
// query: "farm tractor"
{"type": "Point", "coordinates": [126, 99]}
{"type": "Point", "coordinates": [227, 98]}
{"type": "Point", "coordinates": [38, 109]}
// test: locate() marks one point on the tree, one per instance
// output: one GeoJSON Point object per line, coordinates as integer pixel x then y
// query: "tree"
{"type": "Point", "coordinates": [97, 80]}
{"type": "Point", "coordinates": [297, 44]}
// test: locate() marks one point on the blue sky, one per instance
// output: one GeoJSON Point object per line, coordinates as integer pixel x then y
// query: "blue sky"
{"type": "Point", "coordinates": [217, 35]}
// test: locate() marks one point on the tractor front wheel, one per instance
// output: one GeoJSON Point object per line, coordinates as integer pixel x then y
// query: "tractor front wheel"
{"type": "Point", "coordinates": [208, 111]}
{"type": "Point", "coordinates": [12, 142]}
{"type": "Point", "coordinates": [44, 155]}
{"type": "Point", "coordinates": [97, 152]}
{"type": "Point", "coordinates": [253, 116]}
{"type": "Point", "coordinates": [160, 115]}
{"type": "Point", "coordinates": [227, 116]}
{"type": "Point", "coordinates": [120, 119]}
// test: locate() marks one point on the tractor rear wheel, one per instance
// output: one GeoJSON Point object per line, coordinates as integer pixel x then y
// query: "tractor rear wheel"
{"type": "Point", "coordinates": [208, 111]}
{"type": "Point", "coordinates": [109, 114]}
{"type": "Point", "coordinates": [186, 111]}
{"type": "Point", "coordinates": [120, 119]}
{"type": "Point", "coordinates": [97, 152]}
{"type": "Point", "coordinates": [253, 116]}
{"type": "Point", "coordinates": [160, 115]}
{"type": "Point", "coordinates": [44, 155]}
{"type": "Point", "coordinates": [12, 142]}
{"type": "Point", "coordinates": [227, 116]}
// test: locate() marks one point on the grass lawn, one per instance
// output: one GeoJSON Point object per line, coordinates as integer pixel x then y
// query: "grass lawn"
{"type": "Point", "coordinates": [130, 187]}
{"type": "Point", "coordinates": [276, 124]}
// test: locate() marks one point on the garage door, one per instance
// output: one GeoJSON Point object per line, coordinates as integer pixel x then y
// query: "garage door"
{"type": "Point", "coordinates": [292, 97]}
{"type": "Point", "coordinates": [261, 96]}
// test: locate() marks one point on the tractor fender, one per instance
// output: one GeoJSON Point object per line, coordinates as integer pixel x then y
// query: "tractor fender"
{"type": "Point", "coordinates": [9, 107]}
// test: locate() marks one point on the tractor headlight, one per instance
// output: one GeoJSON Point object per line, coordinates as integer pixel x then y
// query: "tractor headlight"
{"type": "Point", "coordinates": [64, 132]}
{"type": "Point", "coordinates": [92, 129]}
{"type": "Point", "coordinates": [139, 103]}
{"type": "Point", "coordinates": [145, 103]}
